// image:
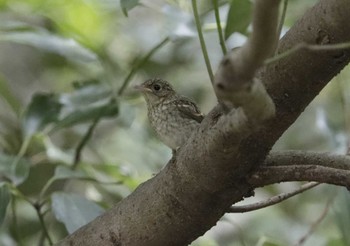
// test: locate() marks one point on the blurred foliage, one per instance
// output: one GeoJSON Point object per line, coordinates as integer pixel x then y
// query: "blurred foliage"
{"type": "Point", "coordinates": [238, 17]}
{"type": "Point", "coordinates": [74, 137]}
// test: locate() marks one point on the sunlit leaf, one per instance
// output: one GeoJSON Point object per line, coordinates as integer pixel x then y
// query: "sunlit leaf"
{"type": "Point", "coordinates": [239, 17]}
{"type": "Point", "coordinates": [74, 211]}
{"type": "Point", "coordinates": [49, 42]}
{"type": "Point", "coordinates": [4, 200]}
{"type": "Point", "coordinates": [127, 5]}
{"type": "Point", "coordinates": [14, 169]}
{"type": "Point", "coordinates": [42, 110]}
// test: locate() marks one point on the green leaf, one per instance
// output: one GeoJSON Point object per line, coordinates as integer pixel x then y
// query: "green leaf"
{"type": "Point", "coordinates": [127, 5]}
{"type": "Point", "coordinates": [46, 41]}
{"type": "Point", "coordinates": [4, 200]}
{"type": "Point", "coordinates": [7, 95]}
{"type": "Point", "coordinates": [335, 242]}
{"type": "Point", "coordinates": [89, 114]}
{"type": "Point", "coordinates": [85, 93]}
{"type": "Point", "coordinates": [90, 100]}
{"type": "Point", "coordinates": [239, 17]}
{"type": "Point", "coordinates": [266, 241]}
{"type": "Point", "coordinates": [62, 172]}
{"type": "Point", "coordinates": [42, 110]}
{"type": "Point", "coordinates": [74, 211]}
{"type": "Point", "coordinates": [14, 169]}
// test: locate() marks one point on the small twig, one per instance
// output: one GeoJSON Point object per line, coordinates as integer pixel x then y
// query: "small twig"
{"type": "Point", "coordinates": [140, 64]}
{"type": "Point", "coordinates": [36, 206]}
{"type": "Point", "coordinates": [311, 47]}
{"type": "Point", "coordinates": [271, 201]}
{"type": "Point", "coordinates": [44, 190]}
{"type": "Point", "coordinates": [345, 108]}
{"type": "Point", "coordinates": [281, 22]}
{"type": "Point", "coordinates": [201, 40]}
{"type": "Point", "coordinates": [316, 223]}
{"type": "Point", "coordinates": [218, 25]}
{"type": "Point", "coordinates": [42, 223]}
{"type": "Point", "coordinates": [83, 142]}
{"type": "Point", "coordinates": [22, 151]}
{"type": "Point", "coordinates": [41, 239]}
{"type": "Point", "coordinates": [15, 222]}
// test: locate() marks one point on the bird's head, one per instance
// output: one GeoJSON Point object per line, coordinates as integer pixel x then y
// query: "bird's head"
{"type": "Point", "coordinates": [155, 90]}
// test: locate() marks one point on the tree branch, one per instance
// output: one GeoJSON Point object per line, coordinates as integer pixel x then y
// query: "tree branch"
{"type": "Point", "coordinates": [271, 201]}
{"type": "Point", "coordinates": [316, 223]}
{"type": "Point", "coordinates": [238, 68]}
{"type": "Point", "coordinates": [293, 82]}
{"type": "Point", "coordinates": [235, 81]}
{"type": "Point", "coordinates": [303, 166]}
{"type": "Point", "coordinates": [210, 171]}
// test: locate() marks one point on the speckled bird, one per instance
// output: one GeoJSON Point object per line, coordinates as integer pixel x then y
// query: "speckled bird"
{"type": "Point", "coordinates": [172, 116]}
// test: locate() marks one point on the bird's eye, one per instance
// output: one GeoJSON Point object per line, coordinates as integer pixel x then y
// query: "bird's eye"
{"type": "Point", "coordinates": [156, 87]}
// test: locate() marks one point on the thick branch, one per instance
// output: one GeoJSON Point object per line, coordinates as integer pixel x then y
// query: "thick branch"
{"type": "Point", "coordinates": [235, 83]}
{"type": "Point", "coordinates": [303, 166]}
{"type": "Point", "coordinates": [294, 81]}
{"type": "Point", "coordinates": [237, 70]}
{"type": "Point", "coordinates": [264, 36]}
{"type": "Point", "coordinates": [209, 172]}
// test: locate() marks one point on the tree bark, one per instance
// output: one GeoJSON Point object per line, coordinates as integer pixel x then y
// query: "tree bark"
{"type": "Point", "coordinates": [303, 166]}
{"type": "Point", "coordinates": [215, 167]}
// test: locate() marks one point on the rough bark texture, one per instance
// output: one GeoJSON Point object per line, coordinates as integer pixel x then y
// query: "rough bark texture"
{"type": "Point", "coordinates": [211, 172]}
{"type": "Point", "coordinates": [295, 81]}
{"type": "Point", "coordinates": [300, 166]}
{"type": "Point", "coordinates": [238, 68]}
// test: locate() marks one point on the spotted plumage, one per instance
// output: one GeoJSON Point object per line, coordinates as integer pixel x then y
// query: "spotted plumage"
{"type": "Point", "coordinates": [172, 116]}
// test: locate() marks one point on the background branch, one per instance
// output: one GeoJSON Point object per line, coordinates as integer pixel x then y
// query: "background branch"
{"type": "Point", "coordinates": [140, 63]}
{"type": "Point", "coordinates": [316, 223]}
{"type": "Point", "coordinates": [83, 142]}
{"type": "Point", "coordinates": [218, 26]}
{"type": "Point", "coordinates": [202, 41]}
{"type": "Point", "coordinates": [271, 201]}
{"type": "Point", "coordinates": [303, 166]}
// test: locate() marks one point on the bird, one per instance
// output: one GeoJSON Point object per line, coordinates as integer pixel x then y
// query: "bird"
{"type": "Point", "coordinates": [172, 116]}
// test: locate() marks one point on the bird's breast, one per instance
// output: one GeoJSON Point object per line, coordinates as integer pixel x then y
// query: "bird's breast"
{"type": "Point", "coordinates": [172, 128]}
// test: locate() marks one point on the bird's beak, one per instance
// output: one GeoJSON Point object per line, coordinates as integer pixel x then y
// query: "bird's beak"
{"type": "Point", "coordinates": [142, 88]}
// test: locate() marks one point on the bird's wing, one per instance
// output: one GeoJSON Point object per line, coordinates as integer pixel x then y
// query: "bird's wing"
{"type": "Point", "coordinates": [189, 109]}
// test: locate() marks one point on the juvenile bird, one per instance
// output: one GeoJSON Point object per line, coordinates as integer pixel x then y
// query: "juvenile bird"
{"type": "Point", "coordinates": [172, 116]}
